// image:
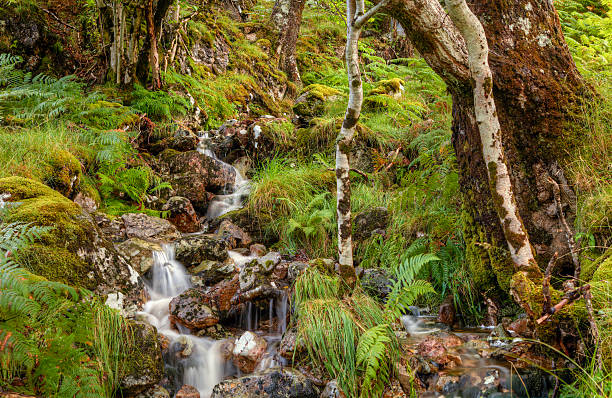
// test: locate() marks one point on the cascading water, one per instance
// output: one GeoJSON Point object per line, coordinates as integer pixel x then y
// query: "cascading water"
{"type": "Point", "coordinates": [232, 196]}
{"type": "Point", "coordinates": [203, 367]}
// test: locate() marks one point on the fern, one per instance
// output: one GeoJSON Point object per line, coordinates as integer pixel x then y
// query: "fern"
{"type": "Point", "coordinates": [373, 356]}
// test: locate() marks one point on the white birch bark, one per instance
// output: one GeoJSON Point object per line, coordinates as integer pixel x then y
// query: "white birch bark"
{"type": "Point", "coordinates": [490, 134]}
{"type": "Point", "coordinates": [356, 17]}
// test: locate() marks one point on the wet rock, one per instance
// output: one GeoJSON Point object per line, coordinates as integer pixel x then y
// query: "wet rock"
{"type": "Point", "coordinates": [193, 310]}
{"type": "Point", "coordinates": [192, 251]}
{"type": "Point", "coordinates": [268, 262]}
{"type": "Point", "coordinates": [289, 347]}
{"type": "Point", "coordinates": [332, 390]}
{"type": "Point", "coordinates": [212, 272]}
{"type": "Point", "coordinates": [433, 348]}
{"type": "Point", "coordinates": [273, 383]}
{"type": "Point", "coordinates": [369, 221]}
{"type": "Point", "coordinates": [139, 252]}
{"type": "Point", "coordinates": [234, 234]}
{"type": "Point", "coordinates": [178, 142]}
{"type": "Point", "coordinates": [154, 392]}
{"type": "Point", "coordinates": [257, 249]}
{"type": "Point", "coordinates": [376, 281]}
{"type": "Point", "coordinates": [195, 176]}
{"type": "Point", "coordinates": [520, 327]}
{"type": "Point", "coordinates": [529, 384]}
{"type": "Point", "coordinates": [294, 269]}
{"type": "Point", "coordinates": [447, 384]}
{"type": "Point", "coordinates": [113, 229]}
{"type": "Point", "coordinates": [222, 293]}
{"type": "Point", "coordinates": [154, 229]}
{"type": "Point", "coordinates": [449, 340]}
{"type": "Point", "coordinates": [187, 391]}
{"type": "Point", "coordinates": [143, 367]}
{"type": "Point", "coordinates": [182, 214]}
{"type": "Point", "coordinates": [248, 351]}
{"type": "Point", "coordinates": [186, 345]}
{"type": "Point", "coordinates": [446, 314]}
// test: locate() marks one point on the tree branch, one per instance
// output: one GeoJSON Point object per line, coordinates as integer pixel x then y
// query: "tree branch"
{"type": "Point", "coordinates": [360, 21]}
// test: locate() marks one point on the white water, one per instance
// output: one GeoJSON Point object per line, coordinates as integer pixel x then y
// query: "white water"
{"type": "Point", "coordinates": [203, 369]}
{"type": "Point", "coordinates": [234, 196]}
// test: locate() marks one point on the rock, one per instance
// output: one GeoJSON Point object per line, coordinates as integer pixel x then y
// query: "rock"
{"type": "Point", "coordinates": [273, 383]}
{"type": "Point", "coordinates": [520, 327]}
{"type": "Point", "coordinates": [180, 142]}
{"type": "Point", "coordinates": [182, 214]}
{"type": "Point", "coordinates": [289, 347]}
{"type": "Point", "coordinates": [369, 221]}
{"type": "Point", "coordinates": [154, 392]}
{"type": "Point", "coordinates": [222, 293]}
{"type": "Point", "coordinates": [257, 249]}
{"type": "Point", "coordinates": [139, 252]}
{"type": "Point", "coordinates": [195, 176]}
{"type": "Point", "coordinates": [376, 282]}
{"type": "Point", "coordinates": [449, 340]}
{"type": "Point", "coordinates": [446, 314]}
{"type": "Point", "coordinates": [234, 234]}
{"type": "Point", "coordinates": [447, 384]}
{"type": "Point", "coordinates": [74, 250]}
{"type": "Point", "coordinates": [193, 310]}
{"type": "Point", "coordinates": [395, 390]}
{"type": "Point", "coordinates": [87, 202]}
{"type": "Point", "coordinates": [433, 348]}
{"type": "Point", "coordinates": [332, 390]}
{"type": "Point", "coordinates": [212, 272]}
{"type": "Point", "coordinates": [268, 262]}
{"type": "Point", "coordinates": [527, 384]}
{"type": "Point", "coordinates": [143, 366]}
{"type": "Point", "coordinates": [257, 272]}
{"type": "Point", "coordinates": [154, 229]}
{"type": "Point", "coordinates": [191, 251]}
{"type": "Point", "coordinates": [294, 270]}
{"type": "Point", "coordinates": [63, 172]}
{"type": "Point", "coordinates": [311, 102]}
{"type": "Point", "coordinates": [113, 229]}
{"type": "Point", "coordinates": [248, 351]}
{"type": "Point", "coordinates": [187, 391]}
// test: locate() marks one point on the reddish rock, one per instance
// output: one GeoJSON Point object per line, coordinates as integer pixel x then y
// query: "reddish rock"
{"type": "Point", "coordinates": [520, 327]}
{"type": "Point", "coordinates": [182, 214]}
{"type": "Point", "coordinates": [194, 310]}
{"type": "Point", "coordinates": [236, 235]}
{"type": "Point", "coordinates": [434, 348]}
{"type": "Point", "coordinates": [221, 294]}
{"type": "Point", "coordinates": [187, 391]}
{"type": "Point", "coordinates": [257, 249]}
{"type": "Point", "coordinates": [248, 351]}
{"type": "Point", "coordinates": [446, 314]}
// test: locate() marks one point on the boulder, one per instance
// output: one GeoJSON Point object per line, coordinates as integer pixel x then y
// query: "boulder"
{"type": "Point", "coordinates": [446, 313]}
{"type": "Point", "coordinates": [312, 100]}
{"type": "Point", "coordinates": [63, 172]}
{"type": "Point", "coordinates": [195, 176]}
{"type": "Point", "coordinates": [369, 221]}
{"type": "Point", "coordinates": [289, 346]}
{"type": "Point", "coordinates": [139, 253]}
{"type": "Point", "coordinates": [193, 310]}
{"type": "Point", "coordinates": [112, 228]}
{"type": "Point", "coordinates": [192, 251]}
{"type": "Point", "coordinates": [72, 250]}
{"type": "Point", "coordinates": [222, 293]}
{"type": "Point", "coordinates": [154, 229]}
{"type": "Point", "coordinates": [294, 269]}
{"type": "Point", "coordinates": [182, 214]}
{"type": "Point", "coordinates": [154, 392]}
{"type": "Point", "coordinates": [178, 142]}
{"type": "Point", "coordinates": [273, 383]}
{"type": "Point", "coordinates": [211, 272]}
{"type": "Point", "coordinates": [520, 327]}
{"type": "Point", "coordinates": [187, 391]}
{"type": "Point", "coordinates": [257, 272]}
{"type": "Point", "coordinates": [233, 234]}
{"type": "Point", "coordinates": [248, 351]}
{"type": "Point", "coordinates": [143, 365]}
{"type": "Point", "coordinates": [257, 249]}
{"type": "Point", "coordinates": [376, 282]}
{"type": "Point", "coordinates": [86, 201]}
{"type": "Point", "coordinates": [434, 348]}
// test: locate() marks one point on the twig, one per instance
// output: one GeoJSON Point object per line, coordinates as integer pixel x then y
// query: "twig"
{"type": "Point", "coordinates": [569, 235]}
{"type": "Point", "coordinates": [546, 283]}
{"type": "Point", "coordinates": [393, 158]}
{"type": "Point", "coordinates": [58, 20]}
{"type": "Point", "coordinates": [567, 299]}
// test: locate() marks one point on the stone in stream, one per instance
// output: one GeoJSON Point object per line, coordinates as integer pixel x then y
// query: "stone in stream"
{"type": "Point", "coordinates": [182, 214]}
{"type": "Point", "coordinates": [234, 234]}
{"type": "Point", "coordinates": [154, 229]}
{"type": "Point", "coordinates": [187, 391]}
{"type": "Point", "coordinates": [289, 347]}
{"type": "Point", "coordinates": [520, 327]}
{"type": "Point", "coordinates": [332, 390]}
{"type": "Point", "coordinates": [191, 251]}
{"type": "Point", "coordinates": [294, 270]}
{"type": "Point", "coordinates": [248, 351]}
{"type": "Point", "coordinates": [435, 348]}
{"type": "Point", "coordinates": [139, 252]}
{"type": "Point", "coordinates": [212, 272]}
{"type": "Point", "coordinates": [257, 249]}
{"type": "Point", "coordinates": [143, 367]}
{"type": "Point", "coordinates": [446, 314]}
{"type": "Point", "coordinates": [154, 392]}
{"type": "Point", "coordinates": [272, 383]}
{"type": "Point", "coordinates": [193, 310]}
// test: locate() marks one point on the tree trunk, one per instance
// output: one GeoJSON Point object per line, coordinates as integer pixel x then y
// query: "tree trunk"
{"type": "Point", "coordinates": [153, 53]}
{"type": "Point", "coordinates": [536, 87]}
{"type": "Point", "coordinates": [286, 19]}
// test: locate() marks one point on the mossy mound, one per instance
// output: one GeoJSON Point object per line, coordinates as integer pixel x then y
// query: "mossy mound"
{"type": "Point", "coordinates": [72, 249]}
{"type": "Point", "coordinates": [390, 86]}
{"type": "Point", "coordinates": [63, 172]}
{"type": "Point", "coordinates": [312, 100]}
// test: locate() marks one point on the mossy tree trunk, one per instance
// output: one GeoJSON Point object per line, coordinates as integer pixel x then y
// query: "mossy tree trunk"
{"type": "Point", "coordinates": [536, 88]}
{"type": "Point", "coordinates": [286, 19]}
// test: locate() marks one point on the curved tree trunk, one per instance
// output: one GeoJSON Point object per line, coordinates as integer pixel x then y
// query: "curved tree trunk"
{"type": "Point", "coordinates": [536, 87]}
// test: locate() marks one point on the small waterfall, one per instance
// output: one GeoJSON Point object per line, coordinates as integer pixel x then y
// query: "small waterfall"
{"type": "Point", "coordinates": [203, 366]}
{"type": "Point", "coordinates": [233, 197]}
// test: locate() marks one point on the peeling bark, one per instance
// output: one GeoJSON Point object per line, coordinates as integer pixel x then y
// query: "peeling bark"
{"type": "Point", "coordinates": [286, 19]}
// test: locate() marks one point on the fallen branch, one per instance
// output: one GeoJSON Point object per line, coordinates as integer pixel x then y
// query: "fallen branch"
{"type": "Point", "coordinates": [546, 283]}
{"type": "Point", "coordinates": [393, 158]}
{"type": "Point", "coordinates": [260, 292]}
{"type": "Point", "coordinates": [58, 19]}
{"type": "Point", "coordinates": [567, 299]}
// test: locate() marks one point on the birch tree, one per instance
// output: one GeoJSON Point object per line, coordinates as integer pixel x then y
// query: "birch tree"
{"type": "Point", "coordinates": [356, 17]}
{"type": "Point", "coordinates": [491, 135]}
{"type": "Point", "coordinates": [286, 19]}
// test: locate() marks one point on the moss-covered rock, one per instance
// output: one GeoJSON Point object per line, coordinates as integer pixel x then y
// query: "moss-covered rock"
{"type": "Point", "coordinates": [72, 250]}
{"type": "Point", "coordinates": [143, 366]}
{"type": "Point", "coordinates": [63, 172]}
{"type": "Point", "coordinates": [312, 100]}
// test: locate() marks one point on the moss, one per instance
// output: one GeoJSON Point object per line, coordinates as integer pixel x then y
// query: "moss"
{"type": "Point", "coordinates": [63, 172]}
{"type": "Point", "coordinates": [142, 362]}
{"type": "Point", "coordinates": [320, 91]}
{"type": "Point", "coordinates": [604, 268]}
{"type": "Point", "coordinates": [313, 99]}
{"type": "Point", "coordinates": [389, 86]}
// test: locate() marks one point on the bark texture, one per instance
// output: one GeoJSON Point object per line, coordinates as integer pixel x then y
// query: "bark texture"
{"type": "Point", "coordinates": [536, 88]}
{"type": "Point", "coordinates": [286, 19]}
